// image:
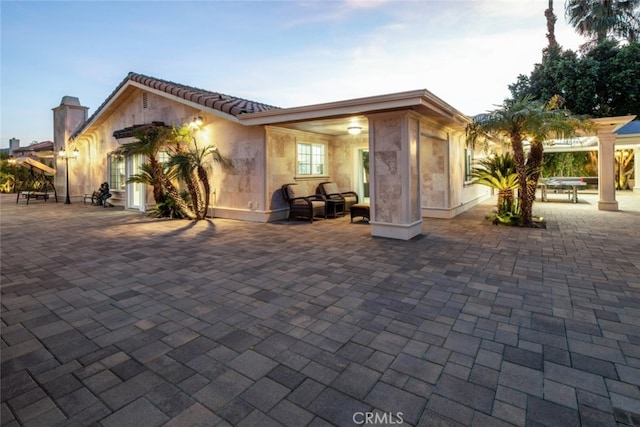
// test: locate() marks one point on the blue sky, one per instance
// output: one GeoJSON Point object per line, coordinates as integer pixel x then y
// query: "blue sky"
{"type": "Point", "coordinates": [286, 53]}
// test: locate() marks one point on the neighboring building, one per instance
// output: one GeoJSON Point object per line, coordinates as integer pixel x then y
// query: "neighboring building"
{"type": "Point", "coordinates": [14, 143]}
{"type": "Point", "coordinates": [420, 162]}
{"type": "Point", "coordinates": [37, 150]}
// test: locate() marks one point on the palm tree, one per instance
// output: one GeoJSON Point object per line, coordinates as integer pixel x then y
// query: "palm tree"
{"type": "Point", "coordinates": [551, 25]}
{"type": "Point", "coordinates": [165, 207]}
{"type": "Point", "coordinates": [149, 143]}
{"type": "Point", "coordinates": [523, 120]}
{"type": "Point", "coordinates": [499, 173]}
{"type": "Point", "coordinates": [600, 18]}
{"type": "Point", "coordinates": [190, 164]}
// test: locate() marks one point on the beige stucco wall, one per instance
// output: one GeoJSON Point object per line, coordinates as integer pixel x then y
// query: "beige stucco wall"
{"type": "Point", "coordinates": [236, 191]}
{"type": "Point", "coordinates": [91, 168]}
{"type": "Point", "coordinates": [343, 159]}
{"type": "Point", "coordinates": [444, 191]}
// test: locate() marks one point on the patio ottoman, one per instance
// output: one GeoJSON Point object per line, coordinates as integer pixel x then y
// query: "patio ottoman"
{"type": "Point", "coordinates": [360, 209]}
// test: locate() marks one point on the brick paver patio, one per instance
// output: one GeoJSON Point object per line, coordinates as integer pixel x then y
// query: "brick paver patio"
{"type": "Point", "coordinates": [110, 318]}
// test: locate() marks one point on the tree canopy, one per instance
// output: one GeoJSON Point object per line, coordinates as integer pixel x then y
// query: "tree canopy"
{"type": "Point", "coordinates": [600, 82]}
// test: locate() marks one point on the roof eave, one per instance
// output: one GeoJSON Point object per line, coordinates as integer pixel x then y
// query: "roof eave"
{"type": "Point", "coordinates": [417, 99]}
{"type": "Point", "coordinates": [612, 124]}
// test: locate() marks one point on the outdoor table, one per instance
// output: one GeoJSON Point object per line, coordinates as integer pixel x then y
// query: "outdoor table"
{"type": "Point", "coordinates": [569, 186]}
{"type": "Point", "coordinates": [335, 207]}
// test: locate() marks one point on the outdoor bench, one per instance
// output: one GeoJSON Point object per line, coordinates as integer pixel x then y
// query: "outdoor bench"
{"type": "Point", "coordinates": [34, 195]}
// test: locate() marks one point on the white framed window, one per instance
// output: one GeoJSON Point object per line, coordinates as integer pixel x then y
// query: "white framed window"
{"type": "Point", "coordinates": [117, 179]}
{"type": "Point", "coordinates": [468, 164]}
{"type": "Point", "coordinates": [311, 159]}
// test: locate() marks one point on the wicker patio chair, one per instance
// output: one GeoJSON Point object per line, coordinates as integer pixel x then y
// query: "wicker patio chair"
{"type": "Point", "coordinates": [304, 206]}
{"type": "Point", "coordinates": [331, 192]}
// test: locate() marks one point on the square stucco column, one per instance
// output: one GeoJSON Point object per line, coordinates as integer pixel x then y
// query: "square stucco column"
{"type": "Point", "coordinates": [606, 171]}
{"type": "Point", "coordinates": [395, 171]}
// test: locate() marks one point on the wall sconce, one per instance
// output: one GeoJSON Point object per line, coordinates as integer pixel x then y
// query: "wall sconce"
{"type": "Point", "coordinates": [197, 121]}
{"type": "Point", "coordinates": [354, 130]}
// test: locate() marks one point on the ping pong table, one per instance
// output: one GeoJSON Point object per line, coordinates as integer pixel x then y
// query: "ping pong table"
{"type": "Point", "coordinates": [561, 185]}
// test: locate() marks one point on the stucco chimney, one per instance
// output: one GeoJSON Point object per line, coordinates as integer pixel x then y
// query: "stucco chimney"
{"type": "Point", "coordinates": [13, 144]}
{"type": "Point", "coordinates": [66, 118]}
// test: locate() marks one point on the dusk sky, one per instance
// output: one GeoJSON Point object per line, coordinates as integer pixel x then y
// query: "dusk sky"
{"type": "Point", "coordinates": [285, 53]}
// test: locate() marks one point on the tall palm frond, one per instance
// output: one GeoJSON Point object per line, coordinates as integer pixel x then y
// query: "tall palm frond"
{"type": "Point", "coordinates": [191, 166]}
{"type": "Point", "coordinates": [181, 163]}
{"type": "Point", "coordinates": [598, 19]}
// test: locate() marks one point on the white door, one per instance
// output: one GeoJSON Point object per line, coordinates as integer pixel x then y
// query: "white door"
{"type": "Point", "coordinates": [362, 174]}
{"type": "Point", "coordinates": [135, 192]}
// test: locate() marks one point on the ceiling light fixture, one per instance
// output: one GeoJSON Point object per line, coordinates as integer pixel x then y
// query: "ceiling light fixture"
{"type": "Point", "coordinates": [354, 130]}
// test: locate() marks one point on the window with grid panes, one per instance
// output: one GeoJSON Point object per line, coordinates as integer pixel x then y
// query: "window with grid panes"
{"type": "Point", "coordinates": [117, 179]}
{"type": "Point", "coordinates": [311, 159]}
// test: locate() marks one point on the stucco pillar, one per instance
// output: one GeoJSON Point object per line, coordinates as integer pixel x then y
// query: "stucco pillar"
{"type": "Point", "coordinates": [636, 169]}
{"type": "Point", "coordinates": [395, 171]}
{"type": "Point", "coordinates": [606, 170]}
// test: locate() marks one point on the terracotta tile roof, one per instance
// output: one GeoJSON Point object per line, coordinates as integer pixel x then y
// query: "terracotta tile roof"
{"type": "Point", "coordinates": [218, 101]}
{"type": "Point", "coordinates": [40, 146]}
{"type": "Point", "coordinates": [225, 103]}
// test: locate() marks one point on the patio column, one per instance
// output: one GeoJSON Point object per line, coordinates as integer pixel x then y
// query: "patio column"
{"type": "Point", "coordinates": [636, 169]}
{"type": "Point", "coordinates": [606, 170]}
{"type": "Point", "coordinates": [395, 171]}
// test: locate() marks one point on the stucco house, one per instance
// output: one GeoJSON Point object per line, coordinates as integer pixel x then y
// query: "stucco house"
{"type": "Point", "coordinates": [419, 168]}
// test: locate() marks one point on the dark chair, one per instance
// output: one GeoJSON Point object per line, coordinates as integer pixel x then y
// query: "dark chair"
{"type": "Point", "coordinates": [100, 197]}
{"type": "Point", "coordinates": [305, 206]}
{"type": "Point", "coordinates": [331, 192]}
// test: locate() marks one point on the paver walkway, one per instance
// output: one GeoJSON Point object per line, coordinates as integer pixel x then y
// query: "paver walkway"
{"type": "Point", "coordinates": [110, 318]}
